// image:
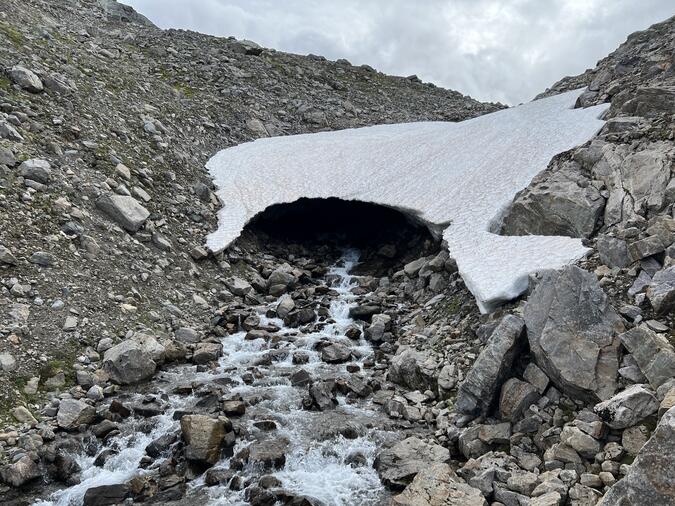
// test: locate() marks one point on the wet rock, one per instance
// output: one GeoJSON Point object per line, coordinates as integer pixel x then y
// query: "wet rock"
{"type": "Point", "coordinates": [413, 369]}
{"type": "Point", "coordinates": [628, 407]}
{"type": "Point", "coordinates": [661, 291]}
{"type": "Point", "coordinates": [20, 472]}
{"type": "Point", "coordinates": [573, 333]}
{"type": "Point", "coordinates": [479, 390]}
{"type": "Point", "coordinates": [25, 78]}
{"type": "Point", "coordinates": [364, 311]}
{"type": "Point", "coordinates": [123, 210]}
{"type": "Point", "coordinates": [300, 378]}
{"type": "Point", "coordinates": [438, 485]}
{"type": "Point", "coordinates": [106, 495]}
{"type": "Point", "coordinates": [650, 478]}
{"type": "Point", "coordinates": [653, 353]}
{"type": "Point", "coordinates": [128, 363]}
{"type": "Point", "coordinates": [515, 397]}
{"type": "Point", "coordinates": [398, 465]}
{"type": "Point", "coordinates": [160, 445]}
{"type": "Point", "coordinates": [285, 306]}
{"type": "Point", "coordinates": [269, 454]}
{"type": "Point", "coordinates": [218, 476]}
{"type": "Point", "coordinates": [204, 437]}
{"type": "Point", "coordinates": [336, 353]}
{"type": "Point", "coordinates": [322, 395]}
{"type": "Point", "coordinates": [207, 352]}
{"type": "Point", "coordinates": [73, 413]}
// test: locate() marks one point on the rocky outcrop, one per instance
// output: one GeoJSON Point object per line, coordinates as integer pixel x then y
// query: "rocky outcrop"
{"type": "Point", "coordinates": [573, 333]}
{"type": "Point", "coordinates": [650, 478]}
{"type": "Point", "coordinates": [480, 389]}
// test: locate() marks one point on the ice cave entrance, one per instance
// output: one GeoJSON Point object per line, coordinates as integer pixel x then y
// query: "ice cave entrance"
{"type": "Point", "coordinates": [377, 231]}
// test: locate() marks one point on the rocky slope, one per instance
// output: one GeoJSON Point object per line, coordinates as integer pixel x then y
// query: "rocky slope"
{"type": "Point", "coordinates": [105, 125]}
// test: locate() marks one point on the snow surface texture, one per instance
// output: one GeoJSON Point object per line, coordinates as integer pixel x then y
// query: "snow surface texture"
{"type": "Point", "coordinates": [457, 177]}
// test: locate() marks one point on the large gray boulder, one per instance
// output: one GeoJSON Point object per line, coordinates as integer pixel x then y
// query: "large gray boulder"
{"type": "Point", "coordinates": [128, 363]}
{"type": "Point", "coordinates": [20, 472]}
{"type": "Point", "coordinates": [124, 210]}
{"type": "Point", "coordinates": [661, 291]}
{"type": "Point", "coordinates": [413, 369]}
{"type": "Point", "coordinates": [653, 353]}
{"type": "Point", "coordinates": [479, 390]}
{"type": "Point", "coordinates": [36, 170]}
{"type": "Point", "coordinates": [559, 201]}
{"type": "Point", "coordinates": [398, 465]}
{"type": "Point", "coordinates": [573, 333]}
{"type": "Point", "coordinates": [204, 437]}
{"type": "Point", "coordinates": [438, 485]}
{"type": "Point", "coordinates": [650, 480]}
{"type": "Point", "coordinates": [25, 78]}
{"type": "Point", "coordinates": [627, 408]}
{"type": "Point", "coordinates": [73, 413]}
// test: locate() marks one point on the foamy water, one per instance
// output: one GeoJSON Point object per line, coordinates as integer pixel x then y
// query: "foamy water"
{"type": "Point", "coordinates": [320, 463]}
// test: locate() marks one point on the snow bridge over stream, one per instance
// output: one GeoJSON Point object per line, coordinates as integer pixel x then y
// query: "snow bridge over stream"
{"type": "Point", "coordinates": [458, 178]}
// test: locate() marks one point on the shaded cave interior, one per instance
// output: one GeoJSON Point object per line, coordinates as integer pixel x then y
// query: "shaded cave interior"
{"type": "Point", "coordinates": [386, 238]}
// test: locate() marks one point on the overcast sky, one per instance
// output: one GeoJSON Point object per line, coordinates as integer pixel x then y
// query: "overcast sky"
{"type": "Point", "coordinates": [499, 50]}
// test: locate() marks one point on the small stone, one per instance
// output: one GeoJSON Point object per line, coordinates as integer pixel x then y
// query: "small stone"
{"type": "Point", "coordinates": [25, 78]}
{"type": "Point", "coordinates": [22, 415]}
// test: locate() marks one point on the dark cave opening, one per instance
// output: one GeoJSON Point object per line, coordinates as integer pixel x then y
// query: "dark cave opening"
{"type": "Point", "coordinates": [386, 237]}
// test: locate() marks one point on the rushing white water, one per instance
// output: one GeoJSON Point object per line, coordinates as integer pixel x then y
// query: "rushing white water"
{"type": "Point", "coordinates": [320, 462]}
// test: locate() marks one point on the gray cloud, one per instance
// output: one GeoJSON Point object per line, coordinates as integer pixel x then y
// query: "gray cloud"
{"type": "Point", "coordinates": [501, 50]}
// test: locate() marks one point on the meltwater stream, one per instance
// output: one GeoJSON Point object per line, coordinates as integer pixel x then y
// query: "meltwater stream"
{"type": "Point", "coordinates": [330, 453]}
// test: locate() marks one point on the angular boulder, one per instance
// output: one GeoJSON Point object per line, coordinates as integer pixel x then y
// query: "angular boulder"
{"type": "Point", "coordinates": [204, 437]}
{"type": "Point", "coordinates": [20, 472]}
{"type": "Point", "coordinates": [25, 78]}
{"type": "Point", "coordinates": [479, 390]}
{"type": "Point", "coordinates": [573, 333]}
{"type": "Point", "coordinates": [438, 485]}
{"type": "Point", "coordinates": [413, 369]}
{"type": "Point", "coordinates": [73, 413]}
{"type": "Point", "coordinates": [651, 478]}
{"type": "Point", "coordinates": [124, 210]}
{"type": "Point", "coordinates": [653, 353]}
{"type": "Point", "coordinates": [36, 170]}
{"type": "Point", "coordinates": [559, 201]}
{"type": "Point", "coordinates": [398, 465]}
{"type": "Point", "coordinates": [627, 408]}
{"type": "Point", "coordinates": [515, 397]}
{"type": "Point", "coordinates": [128, 363]}
{"type": "Point", "coordinates": [661, 291]}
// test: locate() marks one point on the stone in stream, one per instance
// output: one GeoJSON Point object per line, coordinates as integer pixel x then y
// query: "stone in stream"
{"type": "Point", "coordinates": [336, 353]}
{"type": "Point", "coordinates": [573, 333]}
{"type": "Point", "coordinates": [650, 479]}
{"type": "Point", "coordinates": [204, 437]}
{"type": "Point", "coordinates": [398, 465]}
{"type": "Point", "coordinates": [269, 454]}
{"type": "Point", "coordinates": [479, 390]}
{"type": "Point", "coordinates": [438, 485]}
{"type": "Point", "coordinates": [364, 311]}
{"type": "Point", "coordinates": [106, 495]}
{"type": "Point", "coordinates": [322, 395]}
{"type": "Point", "coordinates": [207, 352]}
{"type": "Point", "coordinates": [285, 306]}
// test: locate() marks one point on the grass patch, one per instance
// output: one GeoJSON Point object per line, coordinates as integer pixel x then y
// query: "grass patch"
{"type": "Point", "coordinates": [12, 34]}
{"type": "Point", "coordinates": [5, 84]}
{"type": "Point", "coordinates": [185, 90]}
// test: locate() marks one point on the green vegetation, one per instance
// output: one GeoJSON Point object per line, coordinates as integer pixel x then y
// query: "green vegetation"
{"type": "Point", "coordinates": [12, 34]}
{"type": "Point", "coordinates": [185, 90]}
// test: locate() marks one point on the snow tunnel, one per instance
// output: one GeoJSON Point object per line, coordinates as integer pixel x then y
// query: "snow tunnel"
{"type": "Point", "coordinates": [385, 236]}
